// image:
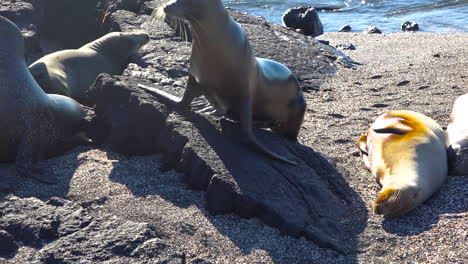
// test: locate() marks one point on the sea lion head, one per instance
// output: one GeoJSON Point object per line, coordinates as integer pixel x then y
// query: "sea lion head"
{"type": "Point", "coordinates": [119, 45]}
{"type": "Point", "coordinates": [396, 201]}
{"type": "Point", "coordinates": [12, 41]}
{"type": "Point", "coordinates": [126, 42]}
{"type": "Point", "coordinates": [192, 9]}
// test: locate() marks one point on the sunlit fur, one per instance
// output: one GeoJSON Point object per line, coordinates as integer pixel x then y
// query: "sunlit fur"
{"type": "Point", "coordinates": [457, 136]}
{"type": "Point", "coordinates": [406, 152]}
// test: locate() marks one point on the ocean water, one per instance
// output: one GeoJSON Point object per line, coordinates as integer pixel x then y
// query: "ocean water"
{"type": "Point", "coordinates": [432, 15]}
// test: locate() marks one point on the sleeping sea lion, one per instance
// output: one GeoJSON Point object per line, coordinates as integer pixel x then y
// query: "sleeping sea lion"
{"type": "Point", "coordinates": [32, 123]}
{"type": "Point", "coordinates": [72, 72]}
{"type": "Point", "coordinates": [406, 152]}
{"type": "Point", "coordinates": [237, 84]}
{"type": "Point", "coordinates": [457, 137]}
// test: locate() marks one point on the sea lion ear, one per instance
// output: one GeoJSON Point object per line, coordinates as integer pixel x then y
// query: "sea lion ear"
{"type": "Point", "coordinates": [392, 125]}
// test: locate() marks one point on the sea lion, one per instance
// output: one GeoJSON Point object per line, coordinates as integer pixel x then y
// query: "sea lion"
{"type": "Point", "coordinates": [32, 123]}
{"type": "Point", "coordinates": [457, 137]}
{"type": "Point", "coordinates": [72, 72]}
{"type": "Point", "coordinates": [239, 86]}
{"type": "Point", "coordinates": [406, 152]}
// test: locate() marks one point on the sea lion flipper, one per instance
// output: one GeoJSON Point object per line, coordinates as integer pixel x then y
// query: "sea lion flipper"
{"type": "Point", "coordinates": [246, 125]}
{"type": "Point", "coordinates": [192, 91]}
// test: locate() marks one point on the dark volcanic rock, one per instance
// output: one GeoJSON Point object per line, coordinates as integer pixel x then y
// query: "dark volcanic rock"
{"type": "Point", "coordinates": [111, 6]}
{"type": "Point", "coordinates": [345, 28]}
{"type": "Point", "coordinates": [409, 26]}
{"type": "Point", "coordinates": [63, 232]}
{"type": "Point", "coordinates": [8, 244]}
{"type": "Point", "coordinates": [308, 200]}
{"type": "Point", "coordinates": [305, 19]}
{"type": "Point", "coordinates": [24, 16]}
{"type": "Point", "coordinates": [372, 30]}
{"type": "Point", "coordinates": [16, 11]}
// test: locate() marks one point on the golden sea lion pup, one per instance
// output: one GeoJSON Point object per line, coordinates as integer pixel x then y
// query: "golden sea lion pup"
{"type": "Point", "coordinates": [239, 85]}
{"type": "Point", "coordinates": [457, 137]}
{"type": "Point", "coordinates": [72, 72]}
{"type": "Point", "coordinates": [406, 152]}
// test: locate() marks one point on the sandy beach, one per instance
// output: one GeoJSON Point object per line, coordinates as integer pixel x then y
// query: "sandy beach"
{"type": "Point", "coordinates": [422, 72]}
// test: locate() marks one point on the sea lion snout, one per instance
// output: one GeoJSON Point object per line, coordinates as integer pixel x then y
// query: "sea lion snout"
{"type": "Point", "coordinates": [138, 38]}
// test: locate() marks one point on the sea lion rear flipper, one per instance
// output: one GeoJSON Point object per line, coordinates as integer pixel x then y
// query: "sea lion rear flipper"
{"type": "Point", "coordinates": [192, 90]}
{"type": "Point", "coordinates": [166, 98]}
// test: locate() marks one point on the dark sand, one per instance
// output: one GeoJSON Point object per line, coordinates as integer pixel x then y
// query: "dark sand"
{"type": "Point", "coordinates": [436, 232]}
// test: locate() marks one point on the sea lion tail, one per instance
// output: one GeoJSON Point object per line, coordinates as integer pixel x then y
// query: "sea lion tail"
{"type": "Point", "coordinates": [181, 28]}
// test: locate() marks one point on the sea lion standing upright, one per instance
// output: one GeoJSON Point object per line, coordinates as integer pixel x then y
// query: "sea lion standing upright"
{"type": "Point", "coordinates": [72, 72]}
{"type": "Point", "coordinates": [32, 123]}
{"type": "Point", "coordinates": [240, 86]}
{"type": "Point", "coordinates": [406, 152]}
{"type": "Point", "coordinates": [457, 137]}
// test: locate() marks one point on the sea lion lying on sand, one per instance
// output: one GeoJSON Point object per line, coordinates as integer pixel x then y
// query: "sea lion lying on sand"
{"type": "Point", "coordinates": [407, 153]}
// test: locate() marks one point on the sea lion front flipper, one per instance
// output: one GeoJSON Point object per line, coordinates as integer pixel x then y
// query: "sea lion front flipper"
{"type": "Point", "coordinates": [246, 125]}
{"type": "Point", "coordinates": [192, 90]}
{"type": "Point", "coordinates": [50, 83]}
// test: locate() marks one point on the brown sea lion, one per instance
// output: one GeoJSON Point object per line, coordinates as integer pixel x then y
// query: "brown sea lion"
{"type": "Point", "coordinates": [240, 86]}
{"type": "Point", "coordinates": [32, 123]}
{"type": "Point", "coordinates": [72, 72]}
{"type": "Point", "coordinates": [406, 152]}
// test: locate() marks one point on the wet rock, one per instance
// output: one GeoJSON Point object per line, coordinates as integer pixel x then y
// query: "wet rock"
{"type": "Point", "coordinates": [345, 28]}
{"type": "Point", "coordinates": [8, 244]}
{"type": "Point", "coordinates": [409, 26]}
{"type": "Point", "coordinates": [372, 30]}
{"type": "Point", "coordinates": [304, 19]}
